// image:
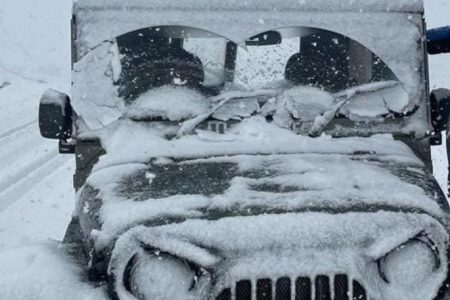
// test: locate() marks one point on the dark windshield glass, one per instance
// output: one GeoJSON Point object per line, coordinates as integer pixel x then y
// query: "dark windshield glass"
{"type": "Point", "coordinates": [310, 57]}
{"type": "Point", "coordinates": [153, 57]}
{"type": "Point", "coordinates": [157, 56]}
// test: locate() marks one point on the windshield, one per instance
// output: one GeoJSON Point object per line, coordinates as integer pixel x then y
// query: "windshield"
{"type": "Point", "coordinates": [299, 78]}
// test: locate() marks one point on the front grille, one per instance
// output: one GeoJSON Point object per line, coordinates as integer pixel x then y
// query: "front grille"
{"type": "Point", "coordinates": [322, 287]}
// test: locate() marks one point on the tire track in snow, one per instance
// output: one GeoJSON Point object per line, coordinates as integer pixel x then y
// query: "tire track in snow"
{"type": "Point", "coordinates": [16, 129]}
{"type": "Point", "coordinates": [19, 148]}
{"type": "Point", "coordinates": [43, 212]}
{"type": "Point", "coordinates": [33, 174]}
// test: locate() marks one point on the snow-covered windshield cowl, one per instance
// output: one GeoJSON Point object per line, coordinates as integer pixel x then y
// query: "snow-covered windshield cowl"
{"type": "Point", "coordinates": [304, 79]}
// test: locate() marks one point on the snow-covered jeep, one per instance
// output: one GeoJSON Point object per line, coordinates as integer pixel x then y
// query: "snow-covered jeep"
{"type": "Point", "coordinates": [253, 150]}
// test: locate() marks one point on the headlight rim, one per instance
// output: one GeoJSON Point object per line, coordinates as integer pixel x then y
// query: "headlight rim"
{"type": "Point", "coordinates": [423, 238]}
{"type": "Point", "coordinates": [198, 271]}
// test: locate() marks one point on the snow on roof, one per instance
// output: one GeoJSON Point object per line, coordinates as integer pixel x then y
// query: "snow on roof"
{"type": "Point", "coordinates": [269, 5]}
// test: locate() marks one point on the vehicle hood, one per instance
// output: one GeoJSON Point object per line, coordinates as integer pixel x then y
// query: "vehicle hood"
{"type": "Point", "coordinates": [361, 175]}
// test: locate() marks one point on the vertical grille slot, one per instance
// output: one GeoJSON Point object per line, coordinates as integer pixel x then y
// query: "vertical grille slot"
{"type": "Point", "coordinates": [321, 287]}
{"type": "Point", "coordinates": [264, 289]}
{"type": "Point", "coordinates": [359, 293]}
{"type": "Point", "coordinates": [323, 291]}
{"type": "Point", "coordinates": [283, 289]}
{"type": "Point", "coordinates": [341, 288]}
{"type": "Point", "coordinates": [303, 288]}
{"type": "Point", "coordinates": [244, 290]}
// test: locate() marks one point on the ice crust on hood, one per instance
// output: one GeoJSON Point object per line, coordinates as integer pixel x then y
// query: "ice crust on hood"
{"type": "Point", "coordinates": [320, 193]}
{"type": "Point", "coordinates": [308, 173]}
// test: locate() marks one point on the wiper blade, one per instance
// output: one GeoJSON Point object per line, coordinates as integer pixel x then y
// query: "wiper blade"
{"type": "Point", "coordinates": [320, 122]}
{"type": "Point", "coordinates": [189, 126]}
{"type": "Point", "coordinates": [366, 88]}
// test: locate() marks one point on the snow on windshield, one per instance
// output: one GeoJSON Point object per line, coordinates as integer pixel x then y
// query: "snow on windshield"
{"type": "Point", "coordinates": [169, 103]}
{"type": "Point", "coordinates": [126, 78]}
{"type": "Point", "coordinates": [95, 97]}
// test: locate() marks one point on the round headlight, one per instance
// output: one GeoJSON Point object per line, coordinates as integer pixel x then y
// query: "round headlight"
{"type": "Point", "coordinates": [162, 277]}
{"type": "Point", "coordinates": [410, 263]}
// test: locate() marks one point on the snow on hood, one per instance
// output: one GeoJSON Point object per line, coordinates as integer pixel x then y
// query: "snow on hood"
{"type": "Point", "coordinates": [262, 190]}
{"type": "Point", "coordinates": [257, 168]}
{"type": "Point", "coordinates": [272, 246]}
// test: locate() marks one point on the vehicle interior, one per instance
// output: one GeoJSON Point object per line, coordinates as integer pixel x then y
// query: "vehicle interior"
{"type": "Point", "coordinates": [156, 56]}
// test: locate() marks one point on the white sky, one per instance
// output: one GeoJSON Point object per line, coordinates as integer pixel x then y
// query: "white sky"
{"type": "Point", "coordinates": [34, 36]}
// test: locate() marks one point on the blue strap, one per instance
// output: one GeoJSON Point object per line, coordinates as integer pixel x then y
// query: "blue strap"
{"type": "Point", "coordinates": [439, 34]}
{"type": "Point", "coordinates": [438, 40]}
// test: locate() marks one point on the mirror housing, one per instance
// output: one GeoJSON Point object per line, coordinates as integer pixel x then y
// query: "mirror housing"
{"type": "Point", "coordinates": [55, 115]}
{"type": "Point", "coordinates": [268, 38]}
{"type": "Point", "coordinates": [440, 118]}
{"type": "Point", "coordinates": [440, 109]}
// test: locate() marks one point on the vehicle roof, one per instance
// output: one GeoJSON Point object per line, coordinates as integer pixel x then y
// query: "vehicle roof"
{"type": "Point", "coordinates": [412, 6]}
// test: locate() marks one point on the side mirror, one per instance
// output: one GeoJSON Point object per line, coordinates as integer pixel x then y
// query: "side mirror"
{"type": "Point", "coordinates": [55, 115]}
{"type": "Point", "coordinates": [440, 117]}
{"type": "Point", "coordinates": [440, 109]}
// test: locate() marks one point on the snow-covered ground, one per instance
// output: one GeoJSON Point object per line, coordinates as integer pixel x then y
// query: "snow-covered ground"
{"type": "Point", "coordinates": [35, 186]}
{"type": "Point", "coordinates": [36, 194]}
{"type": "Point", "coordinates": [36, 202]}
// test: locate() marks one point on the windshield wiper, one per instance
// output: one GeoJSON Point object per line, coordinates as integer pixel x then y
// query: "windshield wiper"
{"type": "Point", "coordinates": [341, 98]}
{"type": "Point", "coordinates": [321, 121]}
{"type": "Point", "coordinates": [190, 125]}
